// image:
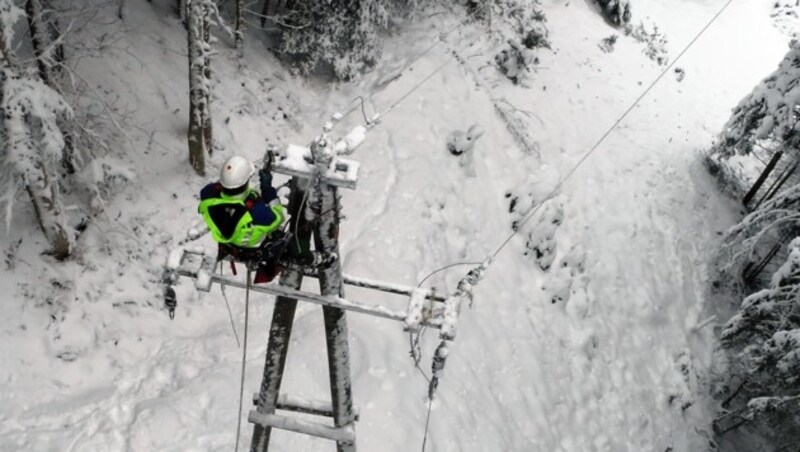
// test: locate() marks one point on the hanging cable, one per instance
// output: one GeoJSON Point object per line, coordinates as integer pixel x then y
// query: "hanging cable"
{"type": "Point", "coordinates": [427, 424]}
{"type": "Point", "coordinates": [228, 305]}
{"type": "Point", "coordinates": [244, 358]}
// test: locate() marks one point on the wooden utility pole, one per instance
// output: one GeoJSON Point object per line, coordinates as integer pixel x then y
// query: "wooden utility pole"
{"type": "Point", "coordinates": [325, 209]}
{"type": "Point", "coordinates": [315, 214]}
{"type": "Point", "coordinates": [280, 330]}
{"type": "Point", "coordinates": [322, 210]}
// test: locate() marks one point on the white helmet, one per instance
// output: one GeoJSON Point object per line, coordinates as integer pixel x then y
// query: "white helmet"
{"type": "Point", "coordinates": [236, 172]}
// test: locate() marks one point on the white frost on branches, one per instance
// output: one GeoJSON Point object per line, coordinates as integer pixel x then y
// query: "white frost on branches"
{"type": "Point", "coordinates": [769, 111]}
{"type": "Point", "coordinates": [344, 36]}
{"type": "Point", "coordinates": [9, 15]}
{"type": "Point", "coordinates": [32, 151]}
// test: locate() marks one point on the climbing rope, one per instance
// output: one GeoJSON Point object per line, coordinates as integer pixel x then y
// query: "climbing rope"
{"type": "Point", "coordinates": [228, 305]}
{"type": "Point", "coordinates": [244, 358]}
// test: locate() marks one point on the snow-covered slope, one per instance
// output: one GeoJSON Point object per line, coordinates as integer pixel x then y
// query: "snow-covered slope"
{"type": "Point", "coordinates": [615, 364]}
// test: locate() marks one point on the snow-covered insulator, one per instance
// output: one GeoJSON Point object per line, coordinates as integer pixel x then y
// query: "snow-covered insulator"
{"type": "Point", "coordinates": [351, 141]}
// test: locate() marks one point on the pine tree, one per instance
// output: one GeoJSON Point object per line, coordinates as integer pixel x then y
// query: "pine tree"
{"type": "Point", "coordinates": [239, 25]}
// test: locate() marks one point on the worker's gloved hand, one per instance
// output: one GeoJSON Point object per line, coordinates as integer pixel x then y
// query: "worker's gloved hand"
{"type": "Point", "coordinates": [265, 177]}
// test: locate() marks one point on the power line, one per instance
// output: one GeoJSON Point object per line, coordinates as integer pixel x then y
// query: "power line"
{"type": "Point", "coordinates": [608, 132]}
{"type": "Point", "coordinates": [569, 174]}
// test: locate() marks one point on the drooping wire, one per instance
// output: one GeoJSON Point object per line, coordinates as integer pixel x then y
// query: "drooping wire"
{"type": "Point", "coordinates": [244, 358]}
{"type": "Point", "coordinates": [427, 423]}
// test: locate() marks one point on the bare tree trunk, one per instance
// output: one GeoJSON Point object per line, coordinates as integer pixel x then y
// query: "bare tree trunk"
{"type": "Point", "coordinates": [197, 97]}
{"type": "Point", "coordinates": [182, 11]}
{"type": "Point", "coordinates": [265, 13]}
{"type": "Point", "coordinates": [45, 201]}
{"type": "Point", "coordinates": [239, 40]}
{"type": "Point", "coordinates": [33, 11]}
{"type": "Point", "coordinates": [207, 132]}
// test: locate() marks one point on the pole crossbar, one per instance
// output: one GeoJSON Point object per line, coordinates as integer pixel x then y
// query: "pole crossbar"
{"type": "Point", "coordinates": [324, 300]}
{"type": "Point", "coordinates": [344, 433]}
{"type": "Point", "coordinates": [296, 404]}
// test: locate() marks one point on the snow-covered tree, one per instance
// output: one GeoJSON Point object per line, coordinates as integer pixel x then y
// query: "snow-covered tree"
{"type": "Point", "coordinates": [31, 139]}
{"type": "Point", "coordinates": [199, 13]}
{"type": "Point", "coordinates": [32, 151]}
{"type": "Point", "coordinates": [763, 344]}
{"type": "Point", "coordinates": [770, 111]}
{"type": "Point", "coordinates": [342, 37]}
{"type": "Point", "coordinates": [618, 12]}
{"type": "Point", "coordinates": [777, 215]}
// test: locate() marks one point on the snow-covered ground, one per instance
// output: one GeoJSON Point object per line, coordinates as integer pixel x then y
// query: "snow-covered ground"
{"type": "Point", "coordinates": [617, 363]}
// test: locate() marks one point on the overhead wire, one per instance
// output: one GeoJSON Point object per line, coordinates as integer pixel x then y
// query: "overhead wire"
{"type": "Point", "coordinates": [572, 171]}
{"type": "Point", "coordinates": [597, 144]}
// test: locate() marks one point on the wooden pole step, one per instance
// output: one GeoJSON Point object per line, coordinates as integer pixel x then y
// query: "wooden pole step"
{"type": "Point", "coordinates": [344, 434]}
{"type": "Point", "coordinates": [299, 405]}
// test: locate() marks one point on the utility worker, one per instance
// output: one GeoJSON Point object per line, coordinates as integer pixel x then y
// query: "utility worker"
{"type": "Point", "coordinates": [245, 223]}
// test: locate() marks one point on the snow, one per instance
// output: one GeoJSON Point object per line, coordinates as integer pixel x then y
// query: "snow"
{"type": "Point", "coordinates": [175, 258]}
{"type": "Point", "coordinates": [415, 305]}
{"type": "Point", "coordinates": [600, 370]}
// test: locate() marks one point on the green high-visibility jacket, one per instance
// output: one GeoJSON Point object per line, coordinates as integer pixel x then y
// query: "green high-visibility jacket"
{"type": "Point", "coordinates": [239, 222]}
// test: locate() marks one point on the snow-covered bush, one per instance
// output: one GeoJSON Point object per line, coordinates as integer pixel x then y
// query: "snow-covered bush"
{"type": "Point", "coordinates": [462, 145]}
{"type": "Point", "coordinates": [655, 42]}
{"type": "Point", "coordinates": [340, 36]}
{"type": "Point", "coordinates": [541, 242]}
{"type": "Point", "coordinates": [770, 111]}
{"type": "Point", "coordinates": [528, 24]}
{"type": "Point", "coordinates": [618, 12]}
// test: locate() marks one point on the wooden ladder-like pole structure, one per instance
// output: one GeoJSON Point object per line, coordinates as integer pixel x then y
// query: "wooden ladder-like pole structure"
{"type": "Point", "coordinates": [323, 210]}
{"type": "Point", "coordinates": [317, 174]}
